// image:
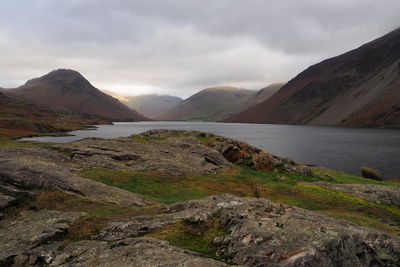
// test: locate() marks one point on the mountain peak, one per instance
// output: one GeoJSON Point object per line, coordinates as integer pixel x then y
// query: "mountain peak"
{"type": "Point", "coordinates": [61, 75]}
{"type": "Point", "coordinates": [67, 89]}
{"type": "Point", "coordinates": [64, 72]}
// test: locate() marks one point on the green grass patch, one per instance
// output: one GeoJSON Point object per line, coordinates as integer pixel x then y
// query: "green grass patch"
{"type": "Point", "coordinates": [196, 237]}
{"type": "Point", "coordinates": [207, 139]}
{"type": "Point", "coordinates": [97, 214]}
{"type": "Point", "coordinates": [160, 187]}
{"type": "Point", "coordinates": [14, 142]}
{"type": "Point", "coordinates": [287, 188]}
{"type": "Point", "coordinates": [347, 178]}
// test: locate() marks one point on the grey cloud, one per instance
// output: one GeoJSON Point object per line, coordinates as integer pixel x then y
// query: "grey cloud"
{"type": "Point", "coordinates": [180, 46]}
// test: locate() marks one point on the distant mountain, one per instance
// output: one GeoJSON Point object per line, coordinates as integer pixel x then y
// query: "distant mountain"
{"type": "Point", "coordinates": [207, 105]}
{"type": "Point", "coordinates": [251, 100]}
{"type": "Point", "coordinates": [21, 118]}
{"type": "Point", "coordinates": [216, 104]}
{"type": "Point", "coordinates": [358, 88]}
{"type": "Point", "coordinates": [69, 90]}
{"type": "Point", "coordinates": [150, 105]}
{"type": "Point", "coordinates": [265, 93]}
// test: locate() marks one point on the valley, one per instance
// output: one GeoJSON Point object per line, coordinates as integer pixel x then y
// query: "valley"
{"type": "Point", "coordinates": [199, 133]}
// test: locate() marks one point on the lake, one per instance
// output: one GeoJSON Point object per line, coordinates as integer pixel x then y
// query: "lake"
{"type": "Point", "coordinates": [345, 149]}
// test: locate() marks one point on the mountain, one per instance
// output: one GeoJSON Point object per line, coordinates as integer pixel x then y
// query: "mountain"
{"type": "Point", "coordinates": [265, 93]}
{"type": "Point", "coordinates": [246, 101]}
{"type": "Point", "coordinates": [150, 105]}
{"type": "Point", "coordinates": [255, 98]}
{"type": "Point", "coordinates": [207, 105]}
{"type": "Point", "coordinates": [69, 90]}
{"type": "Point", "coordinates": [358, 88]}
{"type": "Point", "coordinates": [20, 118]}
{"type": "Point", "coordinates": [216, 104]}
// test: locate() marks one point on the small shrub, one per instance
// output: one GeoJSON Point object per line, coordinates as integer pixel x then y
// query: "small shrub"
{"type": "Point", "coordinates": [263, 162]}
{"type": "Point", "coordinates": [257, 191]}
{"type": "Point", "coordinates": [371, 174]}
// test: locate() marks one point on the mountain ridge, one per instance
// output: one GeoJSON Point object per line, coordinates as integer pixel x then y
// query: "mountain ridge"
{"type": "Point", "coordinates": [67, 89]}
{"type": "Point", "coordinates": [22, 118]}
{"type": "Point", "coordinates": [216, 103]}
{"type": "Point", "coordinates": [357, 88]}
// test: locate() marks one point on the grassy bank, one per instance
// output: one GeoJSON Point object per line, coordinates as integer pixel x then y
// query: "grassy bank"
{"type": "Point", "coordinates": [287, 188]}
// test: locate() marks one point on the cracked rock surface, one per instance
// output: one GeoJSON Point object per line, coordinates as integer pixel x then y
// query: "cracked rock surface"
{"type": "Point", "coordinates": [264, 233]}
{"type": "Point", "coordinates": [256, 232]}
{"type": "Point", "coordinates": [174, 155]}
{"type": "Point", "coordinates": [135, 252]}
{"type": "Point", "coordinates": [21, 236]}
{"type": "Point", "coordinates": [45, 168]}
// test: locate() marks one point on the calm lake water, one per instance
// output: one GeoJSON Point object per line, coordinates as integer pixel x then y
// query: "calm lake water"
{"type": "Point", "coordinates": [345, 149]}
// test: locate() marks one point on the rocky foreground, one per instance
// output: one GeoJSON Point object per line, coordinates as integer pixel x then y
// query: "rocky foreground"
{"type": "Point", "coordinates": [42, 196]}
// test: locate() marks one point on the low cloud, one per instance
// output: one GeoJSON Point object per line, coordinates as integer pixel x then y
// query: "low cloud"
{"type": "Point", "coordinates": [181, 46]}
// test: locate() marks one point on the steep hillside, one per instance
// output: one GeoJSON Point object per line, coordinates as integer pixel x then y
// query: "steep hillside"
{"type": "Point", "coordinates": [69, 90]}
{"type": "Point", "coordinates": [207, 105]}
{"type": "Point", "coordinates": [250, 100]}
{"type": "Point", "coordinates": [265, 93]}
{"type": "Point", "coordinates": [152, 105]}
{"type": "Point", "coordinates": [20, 118]}
{"type": "Point", "coordinates": [358, 88]}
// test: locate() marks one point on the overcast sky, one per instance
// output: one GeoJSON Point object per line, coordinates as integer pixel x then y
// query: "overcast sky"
{"type": "Point", "coordinates": [181, 46]}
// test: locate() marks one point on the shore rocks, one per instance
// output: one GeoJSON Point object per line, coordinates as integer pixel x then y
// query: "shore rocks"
{"type": "Point", "coordinates": [175, 155]}
{"type": "Point", "coordinates": [235, 151]}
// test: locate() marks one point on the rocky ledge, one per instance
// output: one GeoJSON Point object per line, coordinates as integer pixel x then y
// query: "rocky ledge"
{"type": "Point", "coordinates": [41, 193]}
{"type": "Point", "coordinates": [263, 233]}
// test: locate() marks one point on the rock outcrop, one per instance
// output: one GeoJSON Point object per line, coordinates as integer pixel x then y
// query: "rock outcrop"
{"type": "Point", "coordinates": [132, 252]}
{"type": "Point", "coordinates": [173, 155]}
{"type": "Point", "coordinates": [235, 151]}
{"type": "Point", "coordinates": [264, 233]}
{"type": "Point", "coordinates": [25, 240]}
{"type": "Point", "coordinates": [44, 168]}
{"type": "Point", "coordinates": [251, 232]}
